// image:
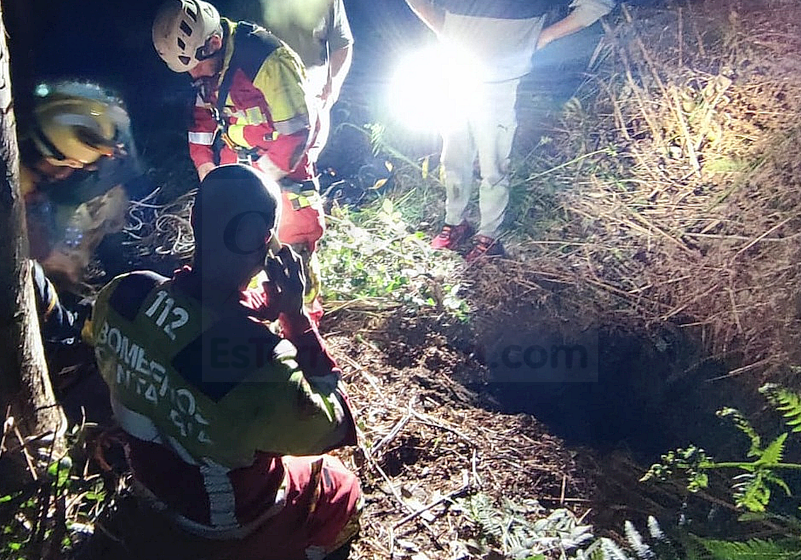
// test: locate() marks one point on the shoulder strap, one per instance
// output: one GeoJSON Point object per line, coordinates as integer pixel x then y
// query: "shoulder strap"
{"type": "Point", "coordinates": [252, 45]}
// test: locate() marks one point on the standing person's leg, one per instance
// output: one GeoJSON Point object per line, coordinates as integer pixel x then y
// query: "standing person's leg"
{"type": "Point", "coordinates": [458, 155]}
{"type": "Point", "coordinates": [499, 122]}
{"type": "Point", "coordinates": [308, 248]}
{"type": "Point", "coordinates": [301, 225]}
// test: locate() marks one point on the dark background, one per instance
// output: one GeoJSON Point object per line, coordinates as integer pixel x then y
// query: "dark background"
{"type": "Point", "coordinates": [108, 41]}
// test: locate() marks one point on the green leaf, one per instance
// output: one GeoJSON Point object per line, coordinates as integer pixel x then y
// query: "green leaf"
{"type": "Point", "coordinates": [773, 453]}
{"type": "Point", "coordinates": [754, 549]}
{"type": "Point", "coordinates": [698, 482]}
{"type": "Point", "coordinates": [742, 424]}
{"type": "Point", "coordinates": [778, 481]}
{"type": "Point", "coordinates": [95, 496]}
{"type": "Point", "coordinates": [785, 401]}
{"type": "Point", "coordinates": [752, 492]}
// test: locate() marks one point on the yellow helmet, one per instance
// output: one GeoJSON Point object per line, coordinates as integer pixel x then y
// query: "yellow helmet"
{"type": "Point", "coordinates": [76, 123]}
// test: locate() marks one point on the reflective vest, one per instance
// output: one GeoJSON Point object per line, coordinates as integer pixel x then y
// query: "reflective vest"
{"type": "Point", "coordinates": [211, 402]}
{"type": "Point", "coordinates": [256, 106]}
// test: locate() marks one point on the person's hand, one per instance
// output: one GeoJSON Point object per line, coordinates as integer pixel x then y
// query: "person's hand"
{"type": "Point", "coordinates": [286, 283]}
{"type": "Point", "coordinates": [204, 168]}
{"type": "Point", "coordinates": [324, 96]}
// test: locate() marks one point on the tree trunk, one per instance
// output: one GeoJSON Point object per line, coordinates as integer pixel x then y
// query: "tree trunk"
{"type": "Point", "coordinates": [25, 390]}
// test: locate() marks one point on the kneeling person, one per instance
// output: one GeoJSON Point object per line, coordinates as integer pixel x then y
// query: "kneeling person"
{"type": "Point", "coordinates": [79, 168]}
{"type": "Point", "coordinates": [213, 403]}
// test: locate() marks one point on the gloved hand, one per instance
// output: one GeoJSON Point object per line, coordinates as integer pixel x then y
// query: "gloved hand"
{"type": "Point", "coordinates": [286, 284]}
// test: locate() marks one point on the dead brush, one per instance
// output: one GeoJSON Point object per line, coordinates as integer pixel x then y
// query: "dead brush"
{"type": "Point", "coordinates": [679, 199]}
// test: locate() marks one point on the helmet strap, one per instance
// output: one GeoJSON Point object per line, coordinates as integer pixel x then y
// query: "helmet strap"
{"type": "Point", "coordinates": [205, 52]}
{"type": "Point", "coordinates": [45, 147]}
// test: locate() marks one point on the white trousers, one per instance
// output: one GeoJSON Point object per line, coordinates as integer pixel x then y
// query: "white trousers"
{"type": "Point", "coordinates": [488, 133]}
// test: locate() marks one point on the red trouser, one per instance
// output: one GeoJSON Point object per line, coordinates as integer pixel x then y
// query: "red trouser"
{"type": "Point", "coordinates": [321, 513]}
{"type": "Point", "coordinates": [303, 226]}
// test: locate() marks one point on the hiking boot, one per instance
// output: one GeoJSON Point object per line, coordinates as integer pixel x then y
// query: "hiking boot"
{"type": "Point", "coordinates": [452, 236]}
{"type": "Point", "coordinates": [485, 247]}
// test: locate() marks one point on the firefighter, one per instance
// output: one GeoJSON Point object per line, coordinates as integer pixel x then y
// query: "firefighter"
{"type": "Point", "coordinates": [78, 169]}
{"type": "Point", "coordinates": [251, 108]}
{"type": "Point", "coordinates": [212, 402]}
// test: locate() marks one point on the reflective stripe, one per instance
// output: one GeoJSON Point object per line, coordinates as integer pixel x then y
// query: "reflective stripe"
{"type": "Point", "coordinates": [220, 491]}
{"type": "Point", "coordinates": [215, 533]}
{"type": "Point", "coordinates": [266, 165]}
{"type": "Point", "coordinates": [221, 495]}
{"type": "Point", "coordinates": [135, 424]}
{"type": "Point", "coordinates": [293, 125]}
{"type": "Point", "coordinates": [254, 116]}
{"type": "Point", "coordinates": [303, 199]}
{"type": "Point", "coordinates": [298, 201]}
{"type": "Point", "coordinates": [204, 138]}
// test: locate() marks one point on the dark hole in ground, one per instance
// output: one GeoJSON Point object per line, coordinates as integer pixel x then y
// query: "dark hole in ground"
{"type": "Point", "coordinates": [635, 397]}
{"type": "Point", "coordinates": [610, 389]}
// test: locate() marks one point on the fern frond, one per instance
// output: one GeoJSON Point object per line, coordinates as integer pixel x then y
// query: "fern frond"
{"type": "Point", "coordinates": [751, 491]}
{"type": "Point", "coordinates": [785, 401]}
{"type": "Point", "coordinates": [692, 546]}
{"type": "Point", "coordinates": [636, 542]}
{"type": "Point", "coordinates": [773, 453]}
{"type": "Point", "coordinates": [486, 516]}
{"type": "Point", "coordinates": [655, 530]}
{"type": "Point", "coordinates": [778, 481]}
{"type": "Point", "coordinates": [611, 551]}
{"type": "Point", "coordinates": [742, 424]}
{"type": "Point", "coordinates": [754, 549]}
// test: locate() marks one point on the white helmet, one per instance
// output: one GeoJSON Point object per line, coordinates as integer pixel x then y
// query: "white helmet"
{"type": "Point", "coordinates": [180, 31]}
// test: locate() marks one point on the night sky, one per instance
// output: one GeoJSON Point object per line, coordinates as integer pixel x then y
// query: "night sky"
{"type": "Point", "coordinates": [109, 41]}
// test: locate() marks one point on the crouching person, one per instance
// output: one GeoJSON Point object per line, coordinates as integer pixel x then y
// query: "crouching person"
{"type": "Point", "coordinates": [223, 418]}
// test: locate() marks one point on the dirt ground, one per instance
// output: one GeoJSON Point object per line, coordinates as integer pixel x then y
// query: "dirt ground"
{"type": "Point", "coordinates": [435, 426]}
{"type": "Point", "coordinates": [426, 440]}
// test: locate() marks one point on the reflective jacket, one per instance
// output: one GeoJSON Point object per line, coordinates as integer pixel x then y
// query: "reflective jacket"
{"type": "Point", "coordinates": [265, 111]}
{"type": "Point", "coordinates": [211, 402]}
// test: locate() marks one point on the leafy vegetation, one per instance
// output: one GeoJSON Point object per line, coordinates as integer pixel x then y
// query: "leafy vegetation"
{"type": "Point", "coordinates": [51, 514]}
{"type": "Point", "coordinates": [373, 259]}
{"type": "Point", "coordinates": [752, 482]}
{"type": "Point", "coordinates": [521, 531]}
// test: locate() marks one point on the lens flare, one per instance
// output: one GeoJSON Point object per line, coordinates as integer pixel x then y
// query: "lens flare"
{"type": "Point", "coordinates": [435, 89]}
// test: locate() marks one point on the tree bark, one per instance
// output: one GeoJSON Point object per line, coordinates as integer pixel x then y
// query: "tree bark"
{"type": "Point", "coordinates": [25, 390]}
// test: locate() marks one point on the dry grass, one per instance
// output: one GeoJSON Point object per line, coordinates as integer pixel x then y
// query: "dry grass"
{"type": "Point", "coordinates": [680, 199]}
